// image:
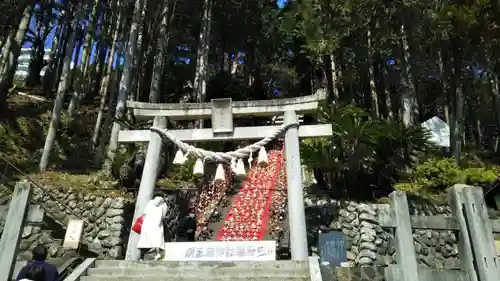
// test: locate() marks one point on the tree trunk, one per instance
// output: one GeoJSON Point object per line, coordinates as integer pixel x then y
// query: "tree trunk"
{"type": "Point", "coordinates": [61, 91]}
{"type": "Point", "coordinates": [76, 69]}
{"type": "Point", "coordinates": [80, 87]}
{"type": "Point", "coordinates": [200, 79]}
{"type": "Point", "coordinates": [61, 52]}
{"type": "Point", "coordinates": [7, 44]}
{"type": "Point", "coordinates": [459, 101]}
{"type": "Point", "coordinates": [154, 94]}
{"type": "Point", "coordinates": [329, 72]}
{"type": "Point", "coordinates": [444, 72]}
{"type": "Point", "coordinates": [104, 89]}
{"type": "Point", "coordinates": [11, 56]}
{"type": "Point", "coordinates": [48, 77]}
{"type": "Point", "coordinates": [371, 77]}
{"type": "Point", "coordinates": [138, 56]}
{"type": "Point", "coordinates": [387, 92]}
{"type": "Point", "coordinates": [97, 70]}
{"type": "Point", "coordinates": [37, 53]}
{"type": "Point", "coordinates": [409, 105]}
{"type": "Point", "coordinates": [125, 84]}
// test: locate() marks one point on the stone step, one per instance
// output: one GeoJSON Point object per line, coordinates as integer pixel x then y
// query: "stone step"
{"type": "Point", "coordinates": [243, 265]}
{"type": "Point", "coordinates": [199, 273]}
{"type": "Point", "coordinates": [176, 278]}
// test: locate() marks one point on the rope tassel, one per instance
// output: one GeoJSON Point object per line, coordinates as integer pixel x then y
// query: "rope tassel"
{"type": "Point", "coordinates": [198, 168]}
{"type": "Point", "coordinates": [262, 160]}
{"type": "Point", "coordinates": [240, 169]}
{"type": "Point", "coordinates": [233, 165]}
{"type": "Point", "coordinates": [179, 158]}
{"type": "Point", "coordinates": [219, 174]}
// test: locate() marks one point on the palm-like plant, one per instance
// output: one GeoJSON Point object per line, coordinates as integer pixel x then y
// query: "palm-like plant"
{"type": "Point", "coordinates": [398, 147]}
{"type": "Point", "coordinates": [362, 151]}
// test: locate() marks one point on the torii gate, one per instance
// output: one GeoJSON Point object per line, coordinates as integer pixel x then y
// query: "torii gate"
{"type": "Point", "coordinates": [222, 111]}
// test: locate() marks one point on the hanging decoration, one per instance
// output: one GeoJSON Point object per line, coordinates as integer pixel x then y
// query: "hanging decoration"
{"type": "Point", "coordinates": [250, 160]}
{"type": "Point", "coordinates": [234, 158]}
{"type": "Point", "coordinates": [237, 165]}
{"type": "Point", "coordinates": [262, 159]}
{"type": "Point", "coordinates": [233, 164]}
{"type": "Point", "coordinates": [179, 158]}
{"type": "Point", "coordinates": [198, 168]}
{"type": "Point", "coordinates": [219, 174]}
{"type": "Point", "coordinates": [240, 169]}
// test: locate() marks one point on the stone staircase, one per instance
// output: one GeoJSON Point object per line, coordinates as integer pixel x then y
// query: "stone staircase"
{"type": "Point", "coordinates": [249, 214]}
{"type": "Point", "coordinates": [120, 270]}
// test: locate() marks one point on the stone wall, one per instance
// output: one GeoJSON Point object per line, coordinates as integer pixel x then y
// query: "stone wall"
{"type": "Point", "coordinates": [370, 245]}
{"type": "Point", "coordinates": [105, 216]}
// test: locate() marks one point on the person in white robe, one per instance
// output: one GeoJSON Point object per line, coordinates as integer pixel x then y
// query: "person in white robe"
{"type": "Point", "coordinates": [152, 236]}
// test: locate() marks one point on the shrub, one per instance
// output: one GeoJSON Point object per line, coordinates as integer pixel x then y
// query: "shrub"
{"type": "Point", "coordinates": [182, 173]}
{"type": "Point", "coordinates": [436, 175]}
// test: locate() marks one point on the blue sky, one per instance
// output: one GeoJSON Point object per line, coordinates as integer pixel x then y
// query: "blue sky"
{"type": "Point", "coordinates": [281, 3]}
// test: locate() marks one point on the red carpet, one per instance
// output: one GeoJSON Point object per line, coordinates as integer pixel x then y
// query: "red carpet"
{"type": "Point", "coordinates": [249, 215]}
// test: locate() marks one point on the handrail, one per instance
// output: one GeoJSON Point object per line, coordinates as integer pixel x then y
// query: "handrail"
{"type": "Point", "coordinates": [44, 191]}
{"type": "Point", "coordinates": [81, 270]}
{"type": "Point", "coordinates": [63, 268]}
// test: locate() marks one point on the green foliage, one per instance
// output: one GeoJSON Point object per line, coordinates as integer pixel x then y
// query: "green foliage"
{"type": "Point", "coordinates": [319, 153]}
{"type": "Point", "coordinates": [436, 175]}
{"type": "Point", "coordinates": [363, 151]}
{"type": "Point", "coordinates": [178, 176]}
{"type": "Point", "coordinates": [182, 173]}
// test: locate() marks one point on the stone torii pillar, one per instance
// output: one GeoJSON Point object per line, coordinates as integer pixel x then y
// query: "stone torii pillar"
{"type": "Point", "coordinates": [147, 186]}
{"type": "Point", "coordinates": [296, 210]}
{"type": "Point", "coordinates": [222, 112]}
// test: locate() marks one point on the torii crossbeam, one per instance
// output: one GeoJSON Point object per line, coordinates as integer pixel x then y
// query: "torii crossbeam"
{"type": "Point", "coordinates": [222, 112]}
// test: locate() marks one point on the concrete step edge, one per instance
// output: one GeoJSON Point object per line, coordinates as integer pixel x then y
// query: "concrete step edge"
{"type": "Point", "coordinates": [193, 265]}
{"type": "Point", "coordinates": [198, 273]}
{"type": "Point", "coordinates": [175, 278]}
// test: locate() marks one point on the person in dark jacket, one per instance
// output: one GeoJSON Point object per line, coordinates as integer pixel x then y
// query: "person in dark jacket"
{"type": "Point", "coordinates": [187, 228]}
{"type": "Point", "coordinates": [38, 268]}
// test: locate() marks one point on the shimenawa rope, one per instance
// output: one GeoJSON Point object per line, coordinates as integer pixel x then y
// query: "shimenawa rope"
{"type": "Point", "coordinates": [222, 156]}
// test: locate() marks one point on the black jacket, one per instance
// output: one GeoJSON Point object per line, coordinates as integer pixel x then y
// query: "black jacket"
{"type": "Point", "coordinates": [187, 228]}
{"type": "Point", "coordinates": [51, 273]}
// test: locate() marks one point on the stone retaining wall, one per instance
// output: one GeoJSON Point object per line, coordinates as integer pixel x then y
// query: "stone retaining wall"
{"type": "Point", "coordinates": [370, 245]}
{"type": "Point", "coordinates": [109, 218]}
{"type": "Point", "coordinates": [103, 232]}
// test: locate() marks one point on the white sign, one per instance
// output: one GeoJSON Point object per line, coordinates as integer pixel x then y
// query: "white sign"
{"type": "Point", "coordinates": [73, 234]}
{"type": "Point", "coordinates": [222, 115]}
{"type": "Point", "coordinates": [221, 251]}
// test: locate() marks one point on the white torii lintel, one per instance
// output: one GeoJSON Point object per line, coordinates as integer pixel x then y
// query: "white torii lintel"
{"type": "Point", "coordinates": [240, 133]}
{"type": "Point", "coordinates": [191, 111]}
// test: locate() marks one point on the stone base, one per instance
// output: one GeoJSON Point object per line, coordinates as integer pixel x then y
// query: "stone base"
{"type": "Point", "coordinates": [352, 273]}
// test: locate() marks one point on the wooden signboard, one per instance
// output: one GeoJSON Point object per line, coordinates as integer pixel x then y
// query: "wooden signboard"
{"type": "Point", "coordinates": [73, 234]}
{"type": "Point", "coordinates": [332, 248]}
